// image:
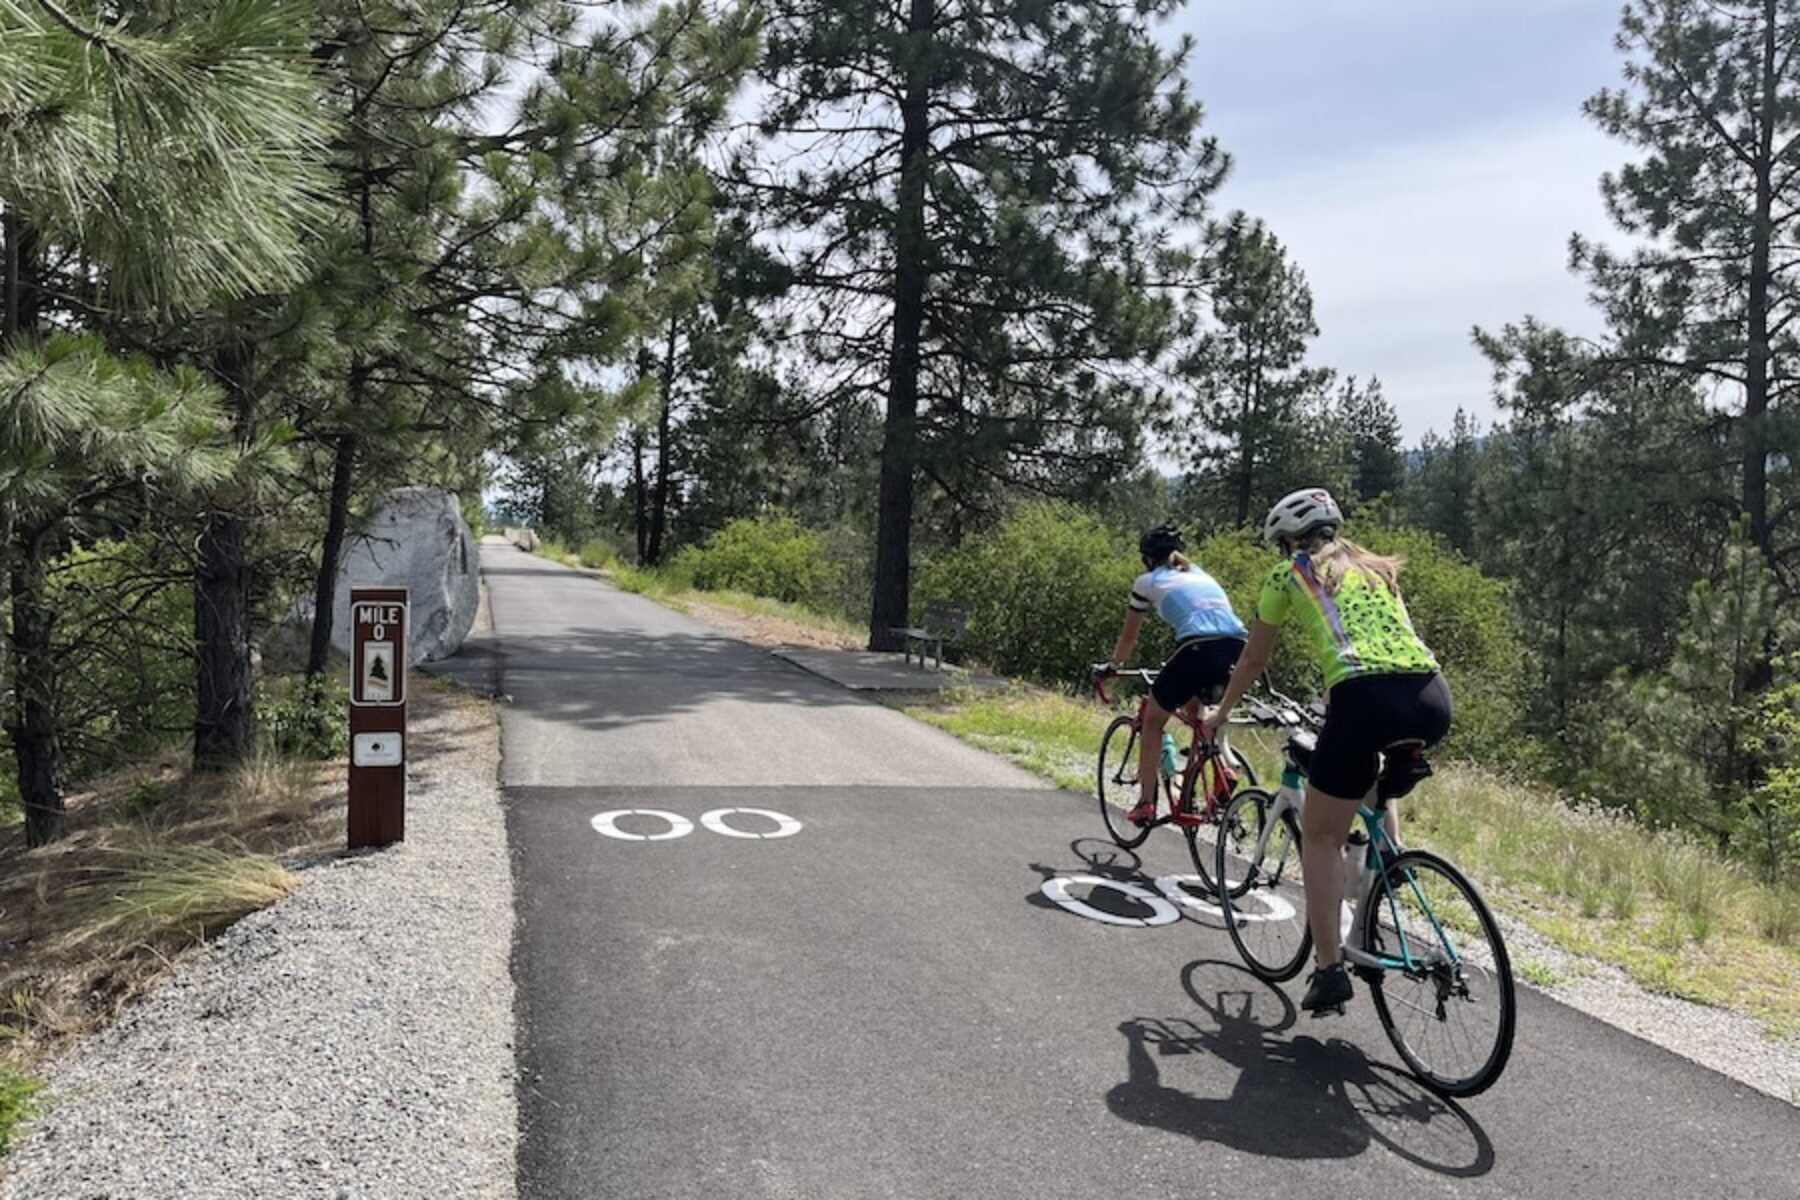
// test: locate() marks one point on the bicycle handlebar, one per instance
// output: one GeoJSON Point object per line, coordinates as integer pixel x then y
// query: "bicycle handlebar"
{"type": "Point", "coordinates": [1101, 672]}
{"type": "Point", "coordinates": [1285, 712]}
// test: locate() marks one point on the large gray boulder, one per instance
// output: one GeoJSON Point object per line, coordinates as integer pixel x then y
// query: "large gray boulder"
{"type": "Point", "coordinates": [417, 540]}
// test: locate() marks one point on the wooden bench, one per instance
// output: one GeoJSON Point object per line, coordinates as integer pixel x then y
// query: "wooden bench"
{"type": "Point", "coordinates": [941, 623]}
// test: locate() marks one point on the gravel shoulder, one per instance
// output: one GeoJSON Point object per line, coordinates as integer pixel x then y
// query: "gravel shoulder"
{"type": "Point", "coordinates": [354, 1040]}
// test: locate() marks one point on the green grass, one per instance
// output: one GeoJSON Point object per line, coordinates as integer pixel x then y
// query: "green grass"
{"type": "Point", "coordinates": [594, 553]}
{"type": "Point", "coordinates": [1054, 736]}
{"type": "Point", "coordinates": [1675, 915]}
{"type": "Point", "coordinates": [1539, 974]}
{"type": "Point", "coordinates": [18, 1102]}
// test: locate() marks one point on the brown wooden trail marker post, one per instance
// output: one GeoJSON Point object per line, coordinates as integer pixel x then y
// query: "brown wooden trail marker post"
{"type": "Point", "coordinates": [377, 716]}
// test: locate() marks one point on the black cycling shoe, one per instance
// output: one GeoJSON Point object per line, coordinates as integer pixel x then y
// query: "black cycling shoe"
{"type": "Point", "coordinates": [1327, 988]}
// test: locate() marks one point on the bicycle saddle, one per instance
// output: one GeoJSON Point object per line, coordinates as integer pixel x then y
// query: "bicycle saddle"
{"type": "Point", "coordinates": [1300, 747]}
{"type": "Point", "coordinates": [1403, 766]}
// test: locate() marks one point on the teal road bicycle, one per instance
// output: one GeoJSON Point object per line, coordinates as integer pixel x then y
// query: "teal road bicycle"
{"type": "Point", "coordinates": [1417, 931]}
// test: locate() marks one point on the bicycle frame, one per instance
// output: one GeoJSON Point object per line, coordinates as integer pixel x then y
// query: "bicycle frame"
{"type": "Point", "coordinates": [1212, 750]}
{"type": "Point", "coordinates": [1380, 852]}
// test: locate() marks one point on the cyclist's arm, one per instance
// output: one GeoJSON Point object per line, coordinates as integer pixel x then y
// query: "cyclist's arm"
{"type": "Point", "coordinates": [1250, 666]}
{"type": "Point", "coordinates": [1128, 636]}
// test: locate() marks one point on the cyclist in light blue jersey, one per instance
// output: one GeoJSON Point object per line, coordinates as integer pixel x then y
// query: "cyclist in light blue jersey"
{"type": "Point", "coordinates": [1208, 637]}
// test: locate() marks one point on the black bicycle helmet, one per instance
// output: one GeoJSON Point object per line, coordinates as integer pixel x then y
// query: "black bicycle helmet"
{"type": "Point", "coordinates": [1157, 544]}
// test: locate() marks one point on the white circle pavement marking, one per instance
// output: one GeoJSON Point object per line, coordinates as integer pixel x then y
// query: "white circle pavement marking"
{"type": "Point", "coordinates": [785, 826]}
{"type": "Point", "coordinates": [1170, 886]}
{"type": "Point", "coordinates": [1056, 889]}
{"type": "Point", "coordinates": [607, 823]}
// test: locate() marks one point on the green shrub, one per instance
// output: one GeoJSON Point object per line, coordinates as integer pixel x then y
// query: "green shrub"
{"type": "Point", "coordinates": [10, 811]}
{"type": "Point", "coordinates": [17, 1104]}
{"type": "Point", "coordinates": [1045, 591]}
{"type": "Point", "coordinates": [773, 556]}
{"type": "Point", "coordinates": [598, 553]}
{"type": "Point", "coordinates": [124, 652]}
{"type": "Point", "coordinates": [143, 798]}
{"type": "Point", "coordinates": [306, 720]}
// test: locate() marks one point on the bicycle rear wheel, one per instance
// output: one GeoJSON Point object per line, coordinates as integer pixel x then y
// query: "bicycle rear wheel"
{"type": "Point", "coordinates": [1117, 784]}
{"type": "Point", "coordinates": [1450, 1013]}
{"type": "Point", "coordinates": [1260, 886]}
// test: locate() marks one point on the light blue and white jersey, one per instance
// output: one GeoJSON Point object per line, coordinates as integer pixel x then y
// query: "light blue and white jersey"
{"type": "Point", "coordinates": [1191, 600]}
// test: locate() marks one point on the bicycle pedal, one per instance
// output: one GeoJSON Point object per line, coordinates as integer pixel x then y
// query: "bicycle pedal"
{"type": "Point", "coordinates": [1367, 974]}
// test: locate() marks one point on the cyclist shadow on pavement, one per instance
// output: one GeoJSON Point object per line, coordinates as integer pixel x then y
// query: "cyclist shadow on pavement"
{"type": "Point", "coordinates": [1295, 1096]}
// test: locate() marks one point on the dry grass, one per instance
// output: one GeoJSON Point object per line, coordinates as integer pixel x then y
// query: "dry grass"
{"type": "Point", "coordinates": [177, 893]}
{"type": "Point", "coordinates": [157, 860]}
{"type": "Point", "coordinates": [1677, 916]}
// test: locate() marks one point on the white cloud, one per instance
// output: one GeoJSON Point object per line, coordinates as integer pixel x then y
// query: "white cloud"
{"type": "Point", "coordinates": [1408, 247]}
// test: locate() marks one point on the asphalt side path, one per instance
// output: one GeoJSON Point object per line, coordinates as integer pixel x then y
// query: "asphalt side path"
{"type": "Point", "coordinates": [777, 942]}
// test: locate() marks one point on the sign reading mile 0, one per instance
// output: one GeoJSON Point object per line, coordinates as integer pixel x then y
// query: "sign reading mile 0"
{"type": "Point", "coordinates": [379, 639]}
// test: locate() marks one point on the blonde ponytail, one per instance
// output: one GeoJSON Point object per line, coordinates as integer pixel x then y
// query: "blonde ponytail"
{"type": "Point", "coordinates": [1333, 559]}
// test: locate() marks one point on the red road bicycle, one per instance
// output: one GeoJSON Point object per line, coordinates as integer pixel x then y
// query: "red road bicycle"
{"type": "Point", "coordinates": [1213, 770]}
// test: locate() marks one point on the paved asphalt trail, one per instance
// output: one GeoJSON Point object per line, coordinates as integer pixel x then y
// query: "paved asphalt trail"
{"type": "Point", "coordinates": [882, 1005]}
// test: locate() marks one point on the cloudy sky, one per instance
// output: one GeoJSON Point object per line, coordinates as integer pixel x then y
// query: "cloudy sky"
{"type": "Point", "coordinates": [1425, 161]}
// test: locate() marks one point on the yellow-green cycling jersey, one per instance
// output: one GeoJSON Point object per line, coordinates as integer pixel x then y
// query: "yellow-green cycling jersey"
{"type": "Point", "coordinates": [1363, 629]}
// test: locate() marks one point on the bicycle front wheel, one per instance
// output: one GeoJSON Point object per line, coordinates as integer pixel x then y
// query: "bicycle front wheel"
{"type": "Point", "coordinates": [1260, 887]}
{"type": "Point", "coordinates": [1117, 785]}
{"type": "Point", "coordinates": [1202, 840]}
{"type": "Point", "coordinates": [1446, 998]}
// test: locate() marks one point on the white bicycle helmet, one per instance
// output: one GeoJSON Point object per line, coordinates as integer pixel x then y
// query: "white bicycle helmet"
{"type": "Point", "coordinates": [1299, 513]}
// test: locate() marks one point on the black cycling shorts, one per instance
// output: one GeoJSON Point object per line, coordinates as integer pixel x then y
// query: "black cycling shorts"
{"type": "Point", "coordinates": [1199, 667]}
{"type": "Point", "coordinates": [1366, 715]}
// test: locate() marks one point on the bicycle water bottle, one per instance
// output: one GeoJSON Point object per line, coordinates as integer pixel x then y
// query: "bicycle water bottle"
{"type": "Point", "coordinates": [1358, 872]}
{"type": "Point", "coordinates": [1168, 755]}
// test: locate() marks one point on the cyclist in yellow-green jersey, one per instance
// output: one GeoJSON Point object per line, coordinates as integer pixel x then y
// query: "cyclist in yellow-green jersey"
{"type": "Point", "coordinates": [1382, 685]}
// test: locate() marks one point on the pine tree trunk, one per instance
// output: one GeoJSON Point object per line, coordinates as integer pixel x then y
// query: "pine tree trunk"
{"type": "Point", "coordinates": [35, 745]}
{"type": "Point", "coordinates": [640, 499]}
{"type": "Point", "coordinates": [225, 716]}
{"type": "Point", "coordinates": [1756, 368]}
{"type": "Point", "coordinates": [659, 511]}
{"type": "Point", "coordinates": [37, 753]}
{"type": "Point", "coordinates": [899, 442]}
{"type": "Point", "coordinates": [331, 557]}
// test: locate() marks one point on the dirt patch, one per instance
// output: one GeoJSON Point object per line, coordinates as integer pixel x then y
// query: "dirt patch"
{"type": "Point", "coordinates": [764, 630]}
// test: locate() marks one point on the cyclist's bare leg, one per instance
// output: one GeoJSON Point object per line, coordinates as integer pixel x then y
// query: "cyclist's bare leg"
{"type": "Point", "coordinates": [1324, 824]}
{"type": "Point", "coordinates": [1150, 750]}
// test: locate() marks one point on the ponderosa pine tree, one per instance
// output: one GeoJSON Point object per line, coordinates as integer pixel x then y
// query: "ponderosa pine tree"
{"type": "Point", "coordinates": [467, 312]}
{"type": "Point", "coordinates": [978, 202]}
{"type": "Point", "coordinates": [1258, 410]}
{"type": "Point", "coordinates": [1371, 432]}
{"type": "Point", "coordinates": [163, 164]}
{"type": "Point", "coordinates": [1596, 496]}
{"type": "Point", "coordinates": [1711, 109]}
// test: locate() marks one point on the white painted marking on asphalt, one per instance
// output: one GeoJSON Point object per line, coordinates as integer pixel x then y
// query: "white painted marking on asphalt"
{"type": "Point", "coordinates": [1170, 886]}
{"type": "Point", "coordinates": [1276, 905]}
{"type": "Point", "coordinates": [607, 823]}
{"type": "Point", "coordinates": [785, 826]}
{"type": "Point", "coordinates": [1162, 912]}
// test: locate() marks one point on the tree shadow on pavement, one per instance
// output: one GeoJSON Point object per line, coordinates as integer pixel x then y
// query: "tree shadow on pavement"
{"type": "Point", "coordinates": [1295, 1097]}
{"type": "Point", "coordinates": [648, 675]}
